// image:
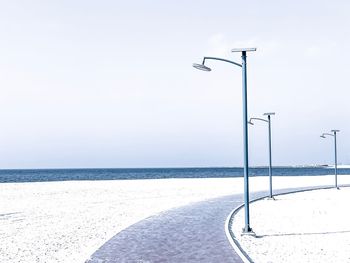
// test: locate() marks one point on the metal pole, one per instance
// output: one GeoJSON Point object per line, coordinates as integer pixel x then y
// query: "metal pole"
{"type": "Point", "coordinates": [247, 228]}
{"type": "Point", "coordinates": [270, 156]}
{"type": "Point", "coordinates": [335, 160]}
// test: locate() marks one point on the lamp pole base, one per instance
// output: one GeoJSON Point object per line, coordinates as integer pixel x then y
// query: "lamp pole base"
{"type": "Point", "coordinates": [250, 232]}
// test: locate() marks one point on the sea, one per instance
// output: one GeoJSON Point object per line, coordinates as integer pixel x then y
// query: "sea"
{"type": "Point", "coordinates": [45, 175]}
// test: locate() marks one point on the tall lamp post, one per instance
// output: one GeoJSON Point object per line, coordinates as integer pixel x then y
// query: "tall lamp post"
{"type": "Point", "coordinates": [268, 121]}
{"type": "Point", "coordinates": [334, 135]}
{"type": "Point", "coordinates": [247, 229]}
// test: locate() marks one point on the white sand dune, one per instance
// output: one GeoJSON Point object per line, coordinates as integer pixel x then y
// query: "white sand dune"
{"type": "Point", "coordinates": [311, 226]}
{"type": "Point", "coordinates": [68, 221]}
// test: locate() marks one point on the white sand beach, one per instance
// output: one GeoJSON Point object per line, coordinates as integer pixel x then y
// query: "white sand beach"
{"type": "Point", "coordinates": [311, 226]}
{"type": "Point", "coordinates": [68, 221]}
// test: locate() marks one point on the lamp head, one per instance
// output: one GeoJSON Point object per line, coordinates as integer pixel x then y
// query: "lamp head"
{"type": "Point", "coordinates": [269, 113]}
{"type": "Point", "coordinates": [335, 131]}
{"type": "Point", "coordinates": [322, 136]}
{"type": "Point", "coordinates": [201, 67]}
{"type": "Point", "coordinates": [250, 122]}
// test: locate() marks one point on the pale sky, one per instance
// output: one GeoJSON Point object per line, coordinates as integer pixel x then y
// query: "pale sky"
{"type": "Point", "coordinates": [111, 83]}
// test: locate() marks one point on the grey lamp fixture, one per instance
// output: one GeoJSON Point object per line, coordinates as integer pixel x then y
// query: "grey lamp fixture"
{"type": "Point", "coordinates": [268, 121]}
{"type": "Point", "coordinates": [201, 67]}
{"type": "Point", "coordinates": [334, 135]}
{"type": "Point", "coordinates": [247, 229]}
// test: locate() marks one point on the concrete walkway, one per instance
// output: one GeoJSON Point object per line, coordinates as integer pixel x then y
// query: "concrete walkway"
{"type": "Point", "coordinates": [194, 233]}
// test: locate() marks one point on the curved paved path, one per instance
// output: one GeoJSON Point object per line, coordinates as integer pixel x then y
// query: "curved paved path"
{"type": "Point", "coordinates": [194, 233]}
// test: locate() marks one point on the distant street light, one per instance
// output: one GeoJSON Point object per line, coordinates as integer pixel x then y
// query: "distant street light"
{"type": "Point", "coordinates": [247, 229]}
{"type": "Point", "coordinates": [268, 114]}
{"type": "Point", "coordinates": [334, 135]}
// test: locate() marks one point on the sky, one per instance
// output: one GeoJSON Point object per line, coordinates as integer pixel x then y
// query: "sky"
{"type": "Point", "coordinates": [111, 83]}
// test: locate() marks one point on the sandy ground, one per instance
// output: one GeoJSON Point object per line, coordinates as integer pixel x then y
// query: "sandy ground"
{"type": "Point", "coordinates": [303, 227]}
{"type": "Point", "coordinates": [68, 221]}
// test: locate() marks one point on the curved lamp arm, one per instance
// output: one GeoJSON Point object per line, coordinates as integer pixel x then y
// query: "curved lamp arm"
{"type": "Point", "coordinates": [259, 119]}
{"type": "Point", "coordinates": [221, 59]}
{"type": "Point", "coordinates": [328, 134]}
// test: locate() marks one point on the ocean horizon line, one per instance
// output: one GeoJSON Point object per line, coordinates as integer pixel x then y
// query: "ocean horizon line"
{"type": "Point", "coordinates": [172, 167]}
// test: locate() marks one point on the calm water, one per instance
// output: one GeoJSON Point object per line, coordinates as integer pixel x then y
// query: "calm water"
{"type": "Point", "coordinates": [155, 173]}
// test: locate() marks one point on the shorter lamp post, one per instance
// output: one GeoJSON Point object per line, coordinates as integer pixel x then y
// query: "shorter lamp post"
{"type": "Point", "coordinates": [268, 114]}
{"type": "Point", "coordinates": [334, 135]}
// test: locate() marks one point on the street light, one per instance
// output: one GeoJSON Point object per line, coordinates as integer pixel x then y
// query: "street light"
{"type": "Point", "coordinates": [334, 135]}
{"type": "Point", "coordinates": [268, 114]}
{"type": "Point", "coordinates": [247, 229]}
